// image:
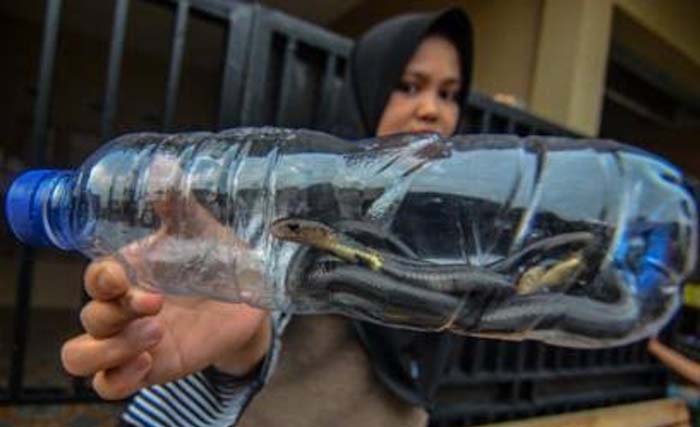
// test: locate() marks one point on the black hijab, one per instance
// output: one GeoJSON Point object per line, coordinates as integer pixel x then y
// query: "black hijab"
{"type": "Point", "coordinates": [381, 54]}
{"type": "Point", "coordinates": [409, 363]}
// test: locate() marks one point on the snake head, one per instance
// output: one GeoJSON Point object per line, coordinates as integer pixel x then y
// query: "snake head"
{"type": "Point", "coordinates": [302, 231]}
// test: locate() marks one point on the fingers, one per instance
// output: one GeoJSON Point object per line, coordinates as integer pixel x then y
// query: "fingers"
{"type": "Point", "coordinates": [184, 215]}
{"type": "Point", "coordinates": [121, 328]}
{"type": "Point", "coordinates": [103, 319]}
{"type": "Point", "coordinates": [124, 380]}
{"type": "Point", "coordinates": [180, 212]}
{"type": "Point", "coordinates": [115, 302]}
{"type": "Point", "coordinates": [85, 355]}
{"type": "Point", "coordinates": [106, 280]}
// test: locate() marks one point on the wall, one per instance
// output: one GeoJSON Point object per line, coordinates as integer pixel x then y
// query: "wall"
{"type": "Point", "coordinates": [506, 35]}
{"type": "Point", "coordinates": [675, 21]}
{"type": "Point", "coordinates": [569, 78]}
{"type": "Point", "coordinates": [552, 54]}
{"type": "Point", "coordinates": [669, 59]}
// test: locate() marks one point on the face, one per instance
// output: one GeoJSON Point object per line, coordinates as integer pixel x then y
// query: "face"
{"type": "Point", "coordinates": [426, 98]}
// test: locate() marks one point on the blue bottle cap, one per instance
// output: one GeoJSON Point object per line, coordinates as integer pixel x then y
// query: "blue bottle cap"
{"type": "Point", "coordinates": [24, 205]}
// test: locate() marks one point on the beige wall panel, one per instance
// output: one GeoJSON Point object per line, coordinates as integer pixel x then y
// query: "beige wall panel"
{"type": "Point", "coordinates": [569, 76]}
{"type": "Point", "coordinates": [675, 21]}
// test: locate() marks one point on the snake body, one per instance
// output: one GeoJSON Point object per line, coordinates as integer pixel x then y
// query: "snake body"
{"type": "Point", "coordinates": [373, 283]}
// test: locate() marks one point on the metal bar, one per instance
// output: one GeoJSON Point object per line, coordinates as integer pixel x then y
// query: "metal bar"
{"type": "Point", "coordinates": [559, 359]}
{"type": "Point", "coordinates": [636, 354]}
{"type": "Point", "coordinates": [510, 127]}
{"type": "Point", "coordinates": [443, 350]}
{"type": "Point", "coordinates": [482, 377]}
{"type": "Point", "coordinates": [236, 60]}
{"type": "Point", "coordinates": [520, 367]}
{"type": "Point", "coordinates": [39, 132]}
{"type": "Point", "coordinates": [486, 122]}
{"type": "Point", "coordinates": [482, 102]}
{"type": "Point", "coordinates": [637, 108]}
{"type": "Point", "coordinates": [49, 395]}
{"type": "Point", "coordinates": [311, 35]}
{"type": "Point", "coordinates": [621, 353]}
{"type": "Point", "coordinates": [328, 95]}
{"type": "Point", "coordinates": [286, 88]}
{"type": "Point", "coordinates": [589, 358]}
{"type": "Point", "coordinates": [79, 383]}
{"type": "Point", "coordinates": [478, 358]}
{"type": "Point", "coordinates": [541, 358]}
{"type": "Point", "coordinates": [216, 8]}
{"type": "Point", "coordinates": [501, 350]}
{"type": "Point", "coordinates": [653, 75]}
{"type": "Point", "coordinates": [46, 68]}
{"type": "Point", "coordinates": [22, 319]}
{"type": "Point", "coordinates": [116, 51]}
{"type": "Point", "coordinates": [259, 63]}
{"type": "Point", "coordinates": [179, 38]}
{"type": "Point", "coordinates": [500, 410]}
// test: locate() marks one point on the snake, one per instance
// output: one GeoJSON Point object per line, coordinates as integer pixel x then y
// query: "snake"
{"type": "Point", "coordinates": [481, 299]}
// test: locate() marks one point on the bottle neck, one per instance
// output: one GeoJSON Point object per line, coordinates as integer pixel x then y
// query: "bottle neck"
{"type": "Point", "coordinates": [57, 210]}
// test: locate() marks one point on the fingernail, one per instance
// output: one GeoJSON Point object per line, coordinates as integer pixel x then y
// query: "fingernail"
{"type": "Point", "coordinates": [103, 279]}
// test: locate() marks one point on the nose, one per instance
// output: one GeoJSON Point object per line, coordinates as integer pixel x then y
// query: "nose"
{"type": "Point", "coordinates": [428, 108]}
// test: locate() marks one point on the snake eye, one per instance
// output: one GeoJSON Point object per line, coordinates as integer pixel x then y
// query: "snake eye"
{"type": "Point", "coordinates": [292, 228]}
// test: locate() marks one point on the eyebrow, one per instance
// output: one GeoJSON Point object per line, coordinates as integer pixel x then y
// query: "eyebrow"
{"type": "Point", "coordinates": [424, 76]}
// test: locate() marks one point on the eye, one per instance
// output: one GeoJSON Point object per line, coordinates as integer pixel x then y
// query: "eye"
{"type": "Point", "coordinates": [409, 88]}
{"type": "Point", "coordinates": [449, 95]}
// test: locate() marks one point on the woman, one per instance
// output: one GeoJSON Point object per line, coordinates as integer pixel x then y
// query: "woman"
{"type": "Point", "coordinates": [408, 74]}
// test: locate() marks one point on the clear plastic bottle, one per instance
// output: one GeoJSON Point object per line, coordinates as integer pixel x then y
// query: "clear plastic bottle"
{"type": "Point", "coordinates": [579, 243]}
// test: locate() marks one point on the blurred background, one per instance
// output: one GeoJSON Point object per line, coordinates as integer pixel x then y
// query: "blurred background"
{"type": "Point", "coordinates": [78, 72]}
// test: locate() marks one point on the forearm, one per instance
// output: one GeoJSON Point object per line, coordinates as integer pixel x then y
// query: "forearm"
{"type": "Point", "coordinates": [680, 364]}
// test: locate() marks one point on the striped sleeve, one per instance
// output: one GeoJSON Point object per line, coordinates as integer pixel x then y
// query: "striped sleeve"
{"type": "Point", "coordinates": [204, 399]}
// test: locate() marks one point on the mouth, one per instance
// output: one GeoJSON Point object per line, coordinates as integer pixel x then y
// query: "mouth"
{"type": "Point", "coordinates": [425, 130]}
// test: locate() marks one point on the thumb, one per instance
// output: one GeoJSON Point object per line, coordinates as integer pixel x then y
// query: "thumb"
{"type": "Point", "coordinates": [173, 202]}
{"type": "Point", "coordinates": [182, 215]}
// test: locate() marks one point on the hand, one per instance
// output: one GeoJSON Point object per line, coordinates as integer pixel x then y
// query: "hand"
{"type": "Point", "coordinates": [136, 338]}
